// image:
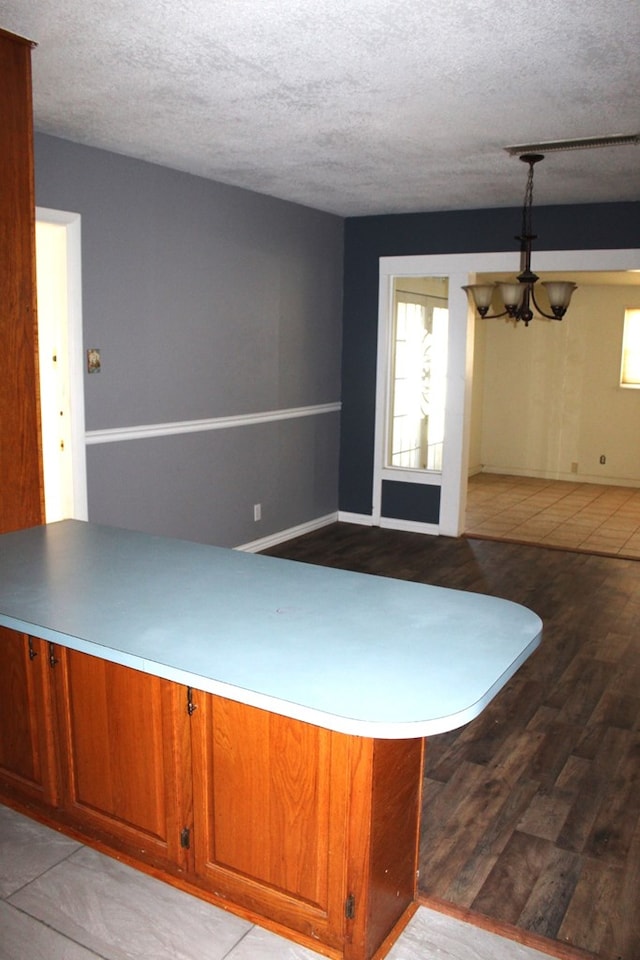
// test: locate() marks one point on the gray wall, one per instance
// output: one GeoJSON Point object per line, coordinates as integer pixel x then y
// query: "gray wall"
{"type": "Point", "coordinates": [206, 301]}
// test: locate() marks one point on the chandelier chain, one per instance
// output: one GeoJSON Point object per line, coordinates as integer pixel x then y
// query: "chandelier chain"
{"type": "Point", "coordinates": [528, 204]}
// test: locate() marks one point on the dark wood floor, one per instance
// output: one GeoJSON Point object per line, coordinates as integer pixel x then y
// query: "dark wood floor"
{"type": "Point", "coordinates": [531, 812]}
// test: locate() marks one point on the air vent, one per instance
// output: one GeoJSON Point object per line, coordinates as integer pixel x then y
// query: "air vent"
{"type": "Point", "coordinates": [587, 143]}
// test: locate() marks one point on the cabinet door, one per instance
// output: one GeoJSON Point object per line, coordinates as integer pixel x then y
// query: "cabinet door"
{"type": "Point", "coordinates": [270, 810]}
{"type": "Point", "coordinates": [126, 757]}
{"type": "Point", "coordinates": [27, 756]}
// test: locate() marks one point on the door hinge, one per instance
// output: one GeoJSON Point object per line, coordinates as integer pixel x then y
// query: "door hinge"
{"type": "Point", "coordinates": [52, 655]}
{"type": "Point", "coordinates": [185, 838]}
{"type": "Point", "coordinates": [191, 706]}
{"type": "Point", "coordinates": [32, 653]}
{"type": "Point", "coordinates": [350, 907]}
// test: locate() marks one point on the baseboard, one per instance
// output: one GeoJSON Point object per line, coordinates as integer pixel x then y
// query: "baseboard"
{"type": "Point", "coordinates": [409, 526]}
{"type": "Point", "coordinates": [365, 519]}
{"type": "Point", "coordinates": [559, 475]}
{"type": "Point", "coordinates": [390, 523]}
{"type": "Point", "coordinates": [387, 523]}
{"type": "Point", "coordinates": [256, 546]}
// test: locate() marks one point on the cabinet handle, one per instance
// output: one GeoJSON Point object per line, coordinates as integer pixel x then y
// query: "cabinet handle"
{"type": "Point", "coordinates": [191, 706]}
{"type": "Point", "coordinates": [52, 655]}
{"type": "Point", "coordinates": [32, 653]}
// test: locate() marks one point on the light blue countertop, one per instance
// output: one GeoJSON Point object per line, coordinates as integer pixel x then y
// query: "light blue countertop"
{"type": "Point", "coordinates": [360, 654]}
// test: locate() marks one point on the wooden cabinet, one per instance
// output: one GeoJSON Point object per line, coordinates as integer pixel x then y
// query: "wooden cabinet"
{"type": "Point", "coordinates": [28, 757]}
{"type": "Point", "coordinates": [125, 757]}
{"type": "Point", "coordinates": [313, 829]}
{"type": "Point", "coordinates": [311, 832]}
{"type": "Point", "coordinates": [103, 747]}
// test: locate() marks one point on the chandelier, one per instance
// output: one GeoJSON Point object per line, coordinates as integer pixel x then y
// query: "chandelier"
{"type": "Point", "coordinates": [519, 296]}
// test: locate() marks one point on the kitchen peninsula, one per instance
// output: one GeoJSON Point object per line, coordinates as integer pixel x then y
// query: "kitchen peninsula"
{"type": "Point", "coordinates": [251, 729]}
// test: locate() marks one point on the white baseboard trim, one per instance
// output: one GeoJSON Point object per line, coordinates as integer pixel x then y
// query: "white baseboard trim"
{"type": "Point", "coordinates": [363, 518]}
{"type": "Point", "coordinates": [561, 475]}
{"type": "Point", "coordinates": [255, 546]}
{"type": "Point", "coordinates": [604, 481]}
{"type": "Point", "coordinates": [389, 523]}
{"type": "Point", "coordinates": [409, 526]}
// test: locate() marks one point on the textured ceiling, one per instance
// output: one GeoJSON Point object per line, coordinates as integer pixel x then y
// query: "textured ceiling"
{"type": "Point", "coordinates": [349, 106]}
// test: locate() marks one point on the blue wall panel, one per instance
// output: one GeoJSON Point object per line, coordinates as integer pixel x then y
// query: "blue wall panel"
{"type": "Point", "coordinates": [411, 501]}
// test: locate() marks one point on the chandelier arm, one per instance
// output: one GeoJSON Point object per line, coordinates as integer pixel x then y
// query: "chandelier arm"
{"type": "Point", "coordinates": [548, 316]}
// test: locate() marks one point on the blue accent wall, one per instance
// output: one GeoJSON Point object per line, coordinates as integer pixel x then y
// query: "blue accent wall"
{"type": "Point", "coordinates": [583, 227]}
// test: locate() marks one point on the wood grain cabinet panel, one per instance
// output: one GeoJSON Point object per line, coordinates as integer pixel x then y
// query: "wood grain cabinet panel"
{"type": "Point", "coordinates": [125, 756]}
{"type": "Point", "coordinates": [28, 758]}
{"type": "Point", "coordinates": [383, 839]}
{"type": "Point", "coordinates": [22, 502]}
{"type": "Point", "coordinates": [312, 829]}
{"type": "Point", "coordinates": [270, 814]}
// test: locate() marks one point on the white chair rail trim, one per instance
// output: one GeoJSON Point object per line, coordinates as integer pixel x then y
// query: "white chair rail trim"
{"type": "Point", "coordinates": [143, 431]}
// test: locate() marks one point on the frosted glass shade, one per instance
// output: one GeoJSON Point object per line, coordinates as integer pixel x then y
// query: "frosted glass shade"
{"type": "Point", "coordinates": [512, 294]}
{"type": "Point", "coordinates": [559, 292]}
{"type": "Point", "coordinates": [482, 294]}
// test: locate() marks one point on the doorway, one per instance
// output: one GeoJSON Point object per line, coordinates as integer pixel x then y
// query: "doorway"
{"type": "Point", "coordinates": [460, 269]}
{"type": "Point", "coordinates": [59, 297]}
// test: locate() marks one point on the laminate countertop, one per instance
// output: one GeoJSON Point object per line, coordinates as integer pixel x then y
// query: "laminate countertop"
{"type": "Point", "coordinates": [364, 655]}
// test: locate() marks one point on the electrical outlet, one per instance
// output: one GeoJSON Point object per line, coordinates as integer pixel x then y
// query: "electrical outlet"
{"type": "Point", "coordinates": [574, 467]}
{"type": "Point", "coordinates": [603, 459]}
{"type": "Point", "coordinates": [257, 511]}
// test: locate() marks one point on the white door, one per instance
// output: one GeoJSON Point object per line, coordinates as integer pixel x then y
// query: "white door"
{"type": "Point", "coordinates": [426, 292]}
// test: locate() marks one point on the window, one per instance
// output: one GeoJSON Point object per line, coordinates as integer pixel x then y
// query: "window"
{"type": "Point", "coordinates": [630, 367]}
{"type": "Point", "coordinates": [418, 381]}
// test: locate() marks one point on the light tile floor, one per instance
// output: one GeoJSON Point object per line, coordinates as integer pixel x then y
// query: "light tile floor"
{"type": "Point", "coordinates": [588, 517]}
{"type": "Point", "coordinates": [60, 900]}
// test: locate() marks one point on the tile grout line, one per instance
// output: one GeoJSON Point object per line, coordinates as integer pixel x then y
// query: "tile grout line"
{"type": "Point", "coordinates": [49, 926]}
{"type": "Point", "coordinates": [229, 953]}
{"type": "Point", "coordinates": [44, 873]}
